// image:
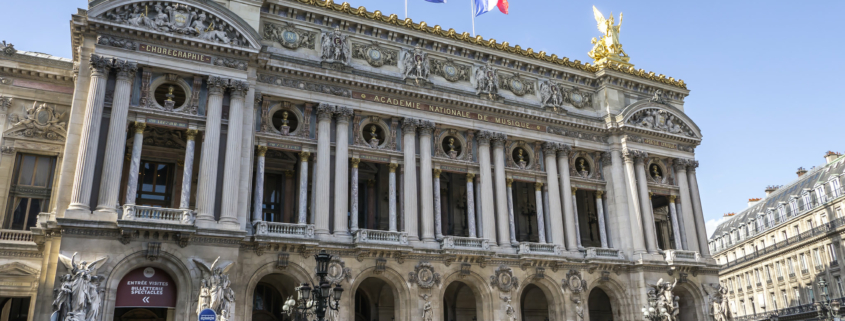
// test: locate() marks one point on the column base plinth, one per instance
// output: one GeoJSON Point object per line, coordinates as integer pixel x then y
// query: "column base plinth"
{"type": "Point", "coordinates": [229, 225]}
{"type": "Point", "coordinates": [205, 221]}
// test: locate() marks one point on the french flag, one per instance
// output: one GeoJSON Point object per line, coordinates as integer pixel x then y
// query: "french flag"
{"type": "Point", "coordinates": [482, 6]}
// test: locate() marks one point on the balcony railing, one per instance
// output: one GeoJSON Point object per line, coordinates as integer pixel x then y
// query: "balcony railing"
{"type": "Point", "coordinates": [290, 230]}
{"type": "Point", "coordinates": [681, 255]}
{"type": "Point", "coordinates": [133, 212]}
{"type": "Point", "coordinates": [539, 248]}
{"type": "Point", "coordinates": [780, 279]}
{"type": "Point", "coordinates": [464, 243]}
{"type": "Point", "coordinates": [381, 237]}
{"type": "Point", "coordinates": [792, 275]}
{"type": "Point", "coordinates": [15, 236]}
{"type": "Point", "coordinates": [603, 253]}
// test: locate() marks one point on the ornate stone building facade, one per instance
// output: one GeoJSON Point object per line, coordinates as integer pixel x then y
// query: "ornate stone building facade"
{"type": "Point", "coordinates": [775, 253]}
{"type": "Point", "coordinates": [196, 154]}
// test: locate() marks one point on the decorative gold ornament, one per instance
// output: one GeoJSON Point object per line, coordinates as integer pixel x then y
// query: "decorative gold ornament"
{"type": "Point", "coordinates": [608, 50]}
{"type": "Point", "coordinates": [170, 94]}
{"type": "Point", "coordinates": [303, 156]}
{"type": "Point", "coordinates": [373, 134]}
{"type": "Point", "coordinates": [451, 144]}
{"type": "Point", "coordinates": [261, 151]}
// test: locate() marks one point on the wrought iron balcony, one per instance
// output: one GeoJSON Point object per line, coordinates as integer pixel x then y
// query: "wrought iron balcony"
{"type": "Point", "coordinates": [363, 236]}
{"type": "Point", "coordinates": [464, 243]}
{"type": "Point", "coordinates": [284, 230]}
{"type": "Point", "coordinates": [132, 212]}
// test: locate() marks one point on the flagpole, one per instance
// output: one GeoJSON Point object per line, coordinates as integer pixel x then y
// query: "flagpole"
{"type": "Point", "coordinates": [472, 13]}
{"type": "Point", "coordinates": [406, 9]}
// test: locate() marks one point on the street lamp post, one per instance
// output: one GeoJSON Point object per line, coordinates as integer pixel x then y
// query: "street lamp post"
{"type": "Point", "coordinates": [828, 310]}
{"type": "Point", "coordinates": [317, 300]}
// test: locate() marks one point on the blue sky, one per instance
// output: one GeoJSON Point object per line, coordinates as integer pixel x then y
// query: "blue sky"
{"type": "Point", "coordinates": [762, 73]}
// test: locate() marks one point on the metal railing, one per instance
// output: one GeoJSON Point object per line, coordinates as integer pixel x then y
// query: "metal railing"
{"type": "Point", "coordinates": [814, 232]}
{"type": "Point", "coordinates": [15, 235]}
{"type": "Point", "coordinates": [539, 248]}
{"type": "Point", "coordinates": [381, 237]}
{"type": "Point", "coordinates": [464, 243]}
{"type": "Point", "coordinates": [132, 212]}
{"type": "Point", "coordinates": [277, 229]}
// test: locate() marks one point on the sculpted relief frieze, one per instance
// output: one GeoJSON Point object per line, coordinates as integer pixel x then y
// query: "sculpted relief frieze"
{"type": "Point", "coordinates": [176, 18]}
{"type": "Point", "coordinates": [517, 85]}
{"type": "Point", "coordinates": [289, 36]}
{"type": "Point", "coordinates": [556, 95]}
{"type": "Point", "coordinates": [374, 54]}
{"type": "Point", "coordinates": [416, 65]}
{"type": "Point", "coordinates": [660, 120]}
{"type": "Point", "coordinates": [451, 71]}
{"type": "Point", "coordinates": [40, 121]}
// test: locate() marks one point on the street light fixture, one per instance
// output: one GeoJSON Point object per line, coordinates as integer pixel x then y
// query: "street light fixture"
{"type": "Point", "coordinates": [317, 300]}
{"type": "Point", "coordinates": [828, 310]}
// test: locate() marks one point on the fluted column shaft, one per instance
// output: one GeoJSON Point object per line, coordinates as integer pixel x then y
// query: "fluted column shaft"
{"type": "Point", "coordinates": [116, 142]}
{"type": "Point", "coordinates": [89, 138]}
{"type": "Point", "coordinates": [438, 219]}
{"type": "Point", "coordinates": [485, 180]}
{"type": "Point", "coordinates": [353, 211]}
{"type": "Point", "coordinates": [231, 170]}
{"type": "Point", "coordinates": [207, 184]}
{"type": "Point", "coordinates": [426, 182]}
{"type": "Point", "coordinates": [135, 163]}
{"type": "Point", "coordinates": [303, 187]}
{"type": "Point", "coordinates": [556, 235]}
{"type": "Point", "coordinates": [547, 214]}
{"type": "Point", "coordinates": [577, 220]}
{"type": "Point", "coordinates": [409, 193]}
{"type": "Point", "coordinates": [502, 213]}
{"type": "Point", "coordinates": [696, 207]}
{"type": "Point", "coordinates": [392, 197]}
{"type": "Point", "coordinates": [634, 209]}
{"type": "Point", "coordinates": [341, 172]}
{"type": "Point", "coordinates": [645, 206]}
{"type": "Point", "coordinates": [673, 214]}
{"type": "Point", "coordinates": [600, 214]}
{"type": "Point", "coordinates": [686, 221]}
{"type": "Point", "coordinates": [511, 225]}
{"type": "Point", "coordinates": [188, 169]}
{"type": "Point", "coordinates": [541, 224]}
{"type": "Point", "coordinates": [258, 202]}
{"type": "Point", "coordinates": [569, 224]}
{"type": "Point", "coordinates": [471, 205]}
{"type": "Point", "coordinates": [321, 172]}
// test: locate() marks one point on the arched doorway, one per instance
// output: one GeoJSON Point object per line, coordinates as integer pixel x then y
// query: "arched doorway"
{"type": "Point", "coordinates": [534, 305]}
{"type": "Point", "coordinates": [146, 293]}
{"type": "Point", "coordinates": [459, 303]}
{"type": "Point", "coordinates": [269, 296]}
{"type": "Point", "coordinates": [374, 301]}
{"type": "Point", "coordinates": [686, 303]}
{"type": "Point", "coordinates": [599, 305]}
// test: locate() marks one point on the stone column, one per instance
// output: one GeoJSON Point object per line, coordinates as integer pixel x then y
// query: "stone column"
{"type": "Point", "coordinates": [426, 191]}
{"type": "Point", "coordinates": [554, 207]}
{"type": "Point", "coordinates": [541, 225]}
{"type": "Point", "coordinates": [115, 145]}
{"type": "Point", "coordinates": [341, 172]}
{"type": "Point", "coordinates": [409, 131]}
{"type": "Point", "coordinates": [673, 214]}
{"type": "Point", "coordinates": [188, 169]}
{"type": "Point", "coordinates": [207, 184]}
{"type": "Point", "coordinates": [438, 219]}
{"type": "Point", "coordinates": [577, 222]}
{"type": "Point", "coordinates": [322, 176]}
{"type": "Point", "coordinates": [89, 139]}
{"type": "Point", "coordinates": [392, 197]}
{"type": "Point", "coordinates": [697, 210]}
{"type": "Point", "coordinates": [686, 222]}
{"type": "Point", "coordinates": [634, 201]}
{"type": "Point", "coordinates": [645, 203]}
{"type": "Point", "coordinates": [569, 223]}
{"type": "Point", "coordinates": [258, 205]}
{"type": "Point", "coordinates": [546, 213]}
{"type": "Point", "coordinates": [485, 180]}
{"type": "Point", "coordinates": [600, 214]}
{"type": "Point", "coordinates": [135, 163]}
{"type": "Point", "coordinates": [471, 205]}
{"type": "Point", "coordinates": [501, 201]}
{"type": "Point", "coordinates": [303, 187]}
{"type": "Point", "coordinates": [511, 226]}
{"type": "Point", "coordinates": [354, 210]}
{"type": "Point", "coordinates": [231, 170]}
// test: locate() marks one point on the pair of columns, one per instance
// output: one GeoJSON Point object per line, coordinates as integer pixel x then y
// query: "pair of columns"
{"type": "Point", "coordinates": [391, 196]}
{"type": "Point", "coordinates": [258, 195]}
{"type": "Point", "coordinates": [692, 215]}
{"type": "Point", "coordinates": [325, 113]}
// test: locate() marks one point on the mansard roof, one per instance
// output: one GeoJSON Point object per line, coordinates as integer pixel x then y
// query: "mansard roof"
{"type": "Point", "coordinates": [814, 177]}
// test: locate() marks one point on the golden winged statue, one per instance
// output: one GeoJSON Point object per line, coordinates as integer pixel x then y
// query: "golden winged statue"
{"type": "Point", "coordinates": [608, 49]}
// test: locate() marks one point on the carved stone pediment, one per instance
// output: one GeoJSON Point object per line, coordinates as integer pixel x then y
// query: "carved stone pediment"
{"type": "Point", "coordinates": [289, 36]}
{"type": "Point", "coordinates": [41, 121]}
{"type": "Point", "coordinates": [661, 120]}
{"type": "Point", "coordinates": [16, 269]}
{"type": "Point", "coordinates": [178, 19]}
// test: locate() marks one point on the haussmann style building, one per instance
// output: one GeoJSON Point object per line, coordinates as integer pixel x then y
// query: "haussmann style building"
{"type": "Point", "coordinates": [196, 154]}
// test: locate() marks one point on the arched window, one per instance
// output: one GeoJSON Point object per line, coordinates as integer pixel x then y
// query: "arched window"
{"type": "Point", "coordinates": [266, 303]}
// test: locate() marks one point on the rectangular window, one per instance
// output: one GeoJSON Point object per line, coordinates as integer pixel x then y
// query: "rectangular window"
{"type": "Point", "coordinates": [811, 294]}
{"type": "Point", "coordinates": [730, 285]}
{"type": "Point", "coordinates": [821, 195]}
{"type": "Point", "coordinates": [784, 298]}
{"type": "Point", "coordinates": [796, 230]}
{"type": "Point", "coordinates": [823, 219]}
{"type": "Point", "coordinates": [803, 261]}
{"type": "Point", "coordinates": [774, 301]}
{"type": "Point", "coordinates": [797, 294]}
{"type": "Point", "coordinates": [834, 187]}
{"type": "Point", "coordinates": [155, 184]}
{"type": "Point", "coordinates": [782, 213]}
{"type": "Point", "coordinates": [32, 181]}
{"type": "Point", "coordinates": [810, 224]}
{"type": "Point", "coordinates": [831, 252]}
{"type": "Point", "coordinates": [838, 212]}
{"type": "Point", "coordinates": [808, 201]}
{"type": "Point", "coordinates": [817, 259]}
{"type": "Point", "coordinates": [774, 240]}
{"type": "Point", "coordinates": [783, 235]}
{"type": "Point", "coordinates": [742, 306]}
{"type": "Point", "coordinates": [778, 269]}
{"type": "Point", "coordinates": [794, 206]}
{"type": "Point", "coordinates": [768, 273]}
{"type": "Point", "coordinates": [747, 279]}
{"type": "Point", "coordinates": [839, 286]}
{"type": "Point", "coordinates": [790, 266]}
{"type": "Point", "coordinates": [757, 274]}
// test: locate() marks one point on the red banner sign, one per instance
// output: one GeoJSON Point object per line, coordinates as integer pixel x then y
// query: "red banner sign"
{"type": "Point", "coordinates": [146, 287]}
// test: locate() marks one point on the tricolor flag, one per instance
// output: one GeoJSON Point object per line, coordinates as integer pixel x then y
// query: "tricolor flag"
{"type": "Point", "coordinates": [482, 6]}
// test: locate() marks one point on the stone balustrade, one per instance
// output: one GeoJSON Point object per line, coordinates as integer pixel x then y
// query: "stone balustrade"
{"type": "Point", "coordinates": [15, 236]}
{"type": "Point", "coordinates": [133, 212]}
{"type": "Point", "coordinates": [539, 248]}
{"type": "Point", "coordinates": [680, 255]}
{"type": "Point", "coordinates": [603, 253]}
{"type": "Point", "coordinates": [288, 230]}
{"type": "Point", "coordinates": [380, 237]}
{"type": "Point", "coordinates": [464, 243]}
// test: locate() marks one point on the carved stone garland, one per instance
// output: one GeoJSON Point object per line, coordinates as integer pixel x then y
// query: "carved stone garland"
{"type": "Point", "coordinates": [289, 36]}
{"type": "Point", "coordinates": [338, 271]}
{"type": "Point", "coordinates": [504, 279]}
{"type": "Point", "coordinates": [424, 276]}
{"type": "Point", "coordinates": [374, 54]}
{"type": "Point", "coordinates": [41, 121]}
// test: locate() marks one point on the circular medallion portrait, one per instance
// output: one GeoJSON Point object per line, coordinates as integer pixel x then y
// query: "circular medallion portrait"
{"type": "Point", "coordinates": [582, 166]}
{"type": "Point", "coordinates": [374, 54]}
{"type": "Point", "coordinates": [656, 172]}
{"type": "Point", "coordinates": [517, 85]}
{"type": "Point", "coordinates": [450, 70]}
{"type": "Point", "coordinates": [576, 98]}
{"type": "Point", "coordinates": [290, 36]}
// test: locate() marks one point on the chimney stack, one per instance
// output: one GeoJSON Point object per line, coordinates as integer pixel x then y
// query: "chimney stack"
{"type": "Point", "coordinates": [771, 189]}
{"type": "Point", "coordinates": [831, 156]}
{"type": "Point", "coordinates": [801, 171]}
{"type": "Point", "coordinates": [753, 201]}
{"type": "Point", "coordinates": [729, 214]}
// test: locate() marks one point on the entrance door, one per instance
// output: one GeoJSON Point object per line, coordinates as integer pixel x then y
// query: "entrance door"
{"type": "Point", "coordinates": [146, 293]}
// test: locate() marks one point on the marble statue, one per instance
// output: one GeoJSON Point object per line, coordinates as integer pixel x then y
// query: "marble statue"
{"type": "Point", "coordinates": [550, 94]}
{"type": "Point", "coordinates": [215, 289]}
{"type": "Point", "coordinates": [660, 298]}
{"type": "Point", "coordinates": [78, 295]}
{"type": "Point", "coordinates": [487, 81]}
{"type": "Point", "coordinates": [428, 314]}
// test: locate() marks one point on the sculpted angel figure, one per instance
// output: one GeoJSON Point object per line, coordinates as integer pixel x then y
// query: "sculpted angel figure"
{"type": "Point", "coordinates": [608, 46]}
{"type": "Point", "coordinates": [335, 46]}
{"type": "Point", "coordinates": [78, 295]}
{"type": "Point", "coordinates": [215, 292]}
{"type": "Point", "coordinates": [416, 64]}
{"type": "Point", "coordinates": [550, 94]}
{"type": "Point", "coordinates": [487, 81]}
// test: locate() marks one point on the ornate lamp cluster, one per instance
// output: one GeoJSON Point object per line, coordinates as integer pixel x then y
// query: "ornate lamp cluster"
{"type": "Point", "coordinates": [827, 309]}
{"type": "Point", "coordinates": [315, 301]}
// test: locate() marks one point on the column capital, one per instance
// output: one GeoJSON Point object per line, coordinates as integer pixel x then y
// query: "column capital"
{"type": "Point", "coordinates": [509, 182]}
{"type": "Point", "coordinates": [426, 127]}
{"type": "Point", "coordinates": [191, 134]}
{"type": "Point", "coordinates": [484, 137]}
{"type": "Point", "coordinates": [239, 88]}
{"type": "Point", "coordinates": [606, 159]}
{"type": "Point", "coordinates": [563, 150]}
{"type": "Point", "coordinates": [99, 65]}
{"type": "Point", "coordinates": [393, 167]}
{"type": "Point", "coordinates": [139, 127]}
{"type": "Point", "coordinates": [692, 165]}
{"type": "Point", "coordinates": [258, 97]}
{"type": "Point", "coordinates": [574, 189]}
{"type": "Point", "coordinates": [549, 148]}
{"type": "Point", "coordinates": [633, 155]}
{"type": "Point", "coordinates": [499, 140]}
{"type": "Point", "coordinates": [672, 198]}
{"type": "Point", "coordinates": [355, 162]}
{"type": "Point", "coordinates": [650, 194]}
{"type": "Point", "coordinates": [538, 186]}
{"type": "Point", "coordinates": [680, 164]}
{"type": "Point", "coordinates": [125, 69]}
{"type": "Point", "coordinates": [289, 174]}
{"type": "Point", "coordinates": [261, 150]}
{"type": "Point", "coordinates": [216, 85]}
{"type": "Point", "coordinates": [599, 194]}
{"type": "Point", "coordinates": [343, 114]}
{"type": "Point", "coordinates": [437, 173]}
{"type": "Point", "coordinates": [409, 125]}
{"type": "Point", "coordinates": [325, 111]}
{"type": "Point", "coordinates": [303, 156]}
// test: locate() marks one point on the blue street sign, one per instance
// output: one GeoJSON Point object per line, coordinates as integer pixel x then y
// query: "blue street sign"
{"type": "Point", "coordinates": [208, 315]}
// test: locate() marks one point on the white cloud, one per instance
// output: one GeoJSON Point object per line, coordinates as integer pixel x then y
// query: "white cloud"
{"type": "Point", "coordinates": [711, 225]}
